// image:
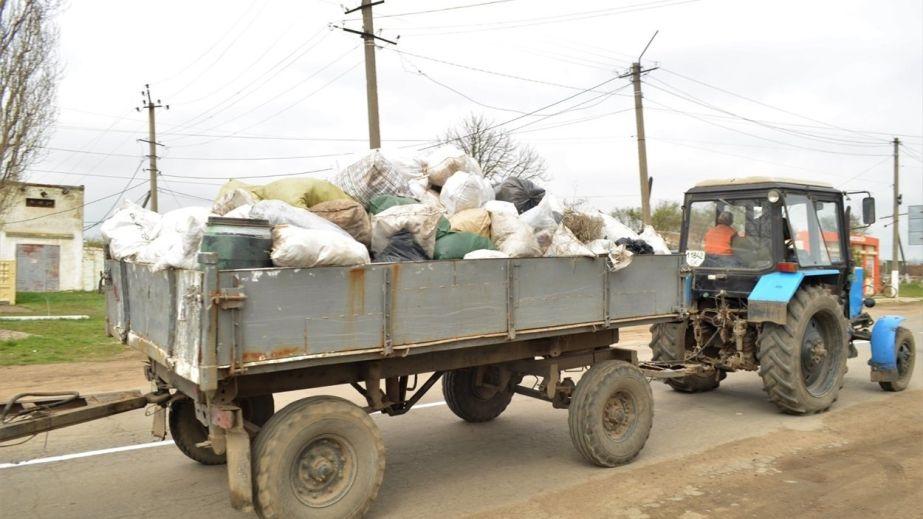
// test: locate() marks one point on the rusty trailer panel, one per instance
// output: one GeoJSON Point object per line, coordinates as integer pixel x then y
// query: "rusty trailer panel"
{"type": "Point", "coordinates": [207, 324]}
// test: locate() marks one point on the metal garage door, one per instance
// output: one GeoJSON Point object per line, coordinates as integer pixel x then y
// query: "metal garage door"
{"type": "Point", "coordinates": [37, 267]}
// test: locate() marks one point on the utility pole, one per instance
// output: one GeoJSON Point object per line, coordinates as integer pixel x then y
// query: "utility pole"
{"type": "Point", "coordinates": [151, 107]}
{"type": "Point", "coordinates": [896, 235]}
{"type": "Point", "coordinates": [642, 142]}
{"type": "Point", "coordinates": [371, 75]}
{"type": "Point", "coordinates": [642, 146]}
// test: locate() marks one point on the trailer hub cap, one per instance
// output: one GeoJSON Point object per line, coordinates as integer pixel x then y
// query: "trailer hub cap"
{"type": "Point", "coordinates": [619, 415]}
{"type": "Point", "coordinates": [324, 471]}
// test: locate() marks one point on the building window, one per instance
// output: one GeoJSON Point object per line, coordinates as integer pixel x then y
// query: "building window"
{"type": "Point", "coordinates": [39, 202]}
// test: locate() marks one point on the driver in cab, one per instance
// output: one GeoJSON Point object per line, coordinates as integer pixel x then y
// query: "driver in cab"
{"type": "Point", "coordinates": [718, 242]}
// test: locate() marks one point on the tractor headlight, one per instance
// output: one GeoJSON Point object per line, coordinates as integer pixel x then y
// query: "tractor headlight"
{"type": "Point", "coordinates": [774, 196]}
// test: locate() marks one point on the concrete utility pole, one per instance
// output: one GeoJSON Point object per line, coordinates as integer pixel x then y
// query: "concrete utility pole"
{"type": "Point", "coordinates": [896, 235]}
{"type": "Point", "coordinates": [371, 77]}
{"type": "Point", "coordinates": [642, 146]}
{"type": "Point", "coordinates": [151, 107]}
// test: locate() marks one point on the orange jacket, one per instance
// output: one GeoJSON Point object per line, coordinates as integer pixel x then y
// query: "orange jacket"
{"type": "Point", "coordinates": [718, 240]}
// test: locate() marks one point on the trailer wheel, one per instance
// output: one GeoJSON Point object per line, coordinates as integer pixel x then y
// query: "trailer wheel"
{"type": "Point", "coordinates": [187, 431]}
{"type": "Point", "coordinates": [906, 359]}
{"type": "Point", "coordinates": [668, 342]}
{"type": "Point", "coordinates": [611, 413]}
{"type": "Point", "coordinates": [319, 457]}
{"type": "Point", "coordinates": [803, 362]}
{"type": "Point", "coordinates": [476, 403]}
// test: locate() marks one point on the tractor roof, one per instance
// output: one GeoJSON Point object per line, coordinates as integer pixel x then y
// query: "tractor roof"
{"type": "Point", "coordinates": [742, 183]}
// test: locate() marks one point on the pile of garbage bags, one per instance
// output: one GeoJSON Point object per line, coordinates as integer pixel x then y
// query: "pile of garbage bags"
{"type": "Point", "coordinates": [385, 208]}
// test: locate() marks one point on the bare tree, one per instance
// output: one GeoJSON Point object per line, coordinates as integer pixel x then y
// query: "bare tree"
{"type": "Point", "coordinates": [28, 78]}
{"type": "Point", "coordinates": [499, 156]}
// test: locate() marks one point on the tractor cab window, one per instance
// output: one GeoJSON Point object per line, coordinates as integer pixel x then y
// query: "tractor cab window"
{"type": "Point", "coordinates": [733, 233]}
{"type": "Point", "coordinates": [812, 234]}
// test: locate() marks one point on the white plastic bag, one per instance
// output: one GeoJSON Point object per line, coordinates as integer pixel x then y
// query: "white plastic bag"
{"type": "Point", "coordinates": [420, 220]}
{"type": "Point", "coordinates": [654, 240]}
{"type": "Point", "coordinates": [546, 215]}
{"type": "Point", "coordinates": [129, 230]}
{"type": "Point", "coordinates": [486, 254]}
{"type": "Point", "coordinates": [239, 212]}
{"type": "Point", "coordinates": [305, 248]}
{"type": "Point", "coordinates": [615, 229]}
{"type": "Point", "coordinates": [513, 237]}
{"type": "Point", "coordinates": [444, 161]}
{"type": "Point", "coordinates": [464, 190]}
{"type": "Point", "coordinates": [232, 200]}
{"type": "Point", "coordinates": [564, 243]}
{"type": "Point", "coordinates": [179, 239]}
{"type": "Point", "coordinates": [499, 206]}
{"type": "Point", "coordinates": [278, 212]}
{"type": "Point", "coordinates": [600, 247]}
{"type": "Point", "coordinates": [412, 169]}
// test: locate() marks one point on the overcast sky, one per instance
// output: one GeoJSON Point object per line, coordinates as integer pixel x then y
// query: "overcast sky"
{"type": "Point", "coordinates": [825, 85]}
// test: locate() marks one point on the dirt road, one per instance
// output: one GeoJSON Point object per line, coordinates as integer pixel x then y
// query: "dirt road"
{"type": "Point", "coordinates": [728, 453]}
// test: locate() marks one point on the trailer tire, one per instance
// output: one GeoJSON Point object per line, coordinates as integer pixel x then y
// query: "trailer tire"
{"type": "Point", "coordinates": [803, 362]}
{"type": "Point", "coordinates": [319, 457]}
{"type": "Point", "coordinates": [473, 403]}
{"type": "Point", "coordinates": [187, 431]}
{"type": "Point", "coordinates": [668, 342]}
{"type": "Point", "coordinates": [906, 358]}
{"type": "Point", "coordinates": [611, 413]}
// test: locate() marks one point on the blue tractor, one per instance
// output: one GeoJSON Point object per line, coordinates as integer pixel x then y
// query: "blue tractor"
{"type": "Point", "coordinates": [770, 287]}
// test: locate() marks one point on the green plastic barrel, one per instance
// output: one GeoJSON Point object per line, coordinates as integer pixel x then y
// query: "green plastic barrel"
{"type": "Point", "coordinates": [240, 243]}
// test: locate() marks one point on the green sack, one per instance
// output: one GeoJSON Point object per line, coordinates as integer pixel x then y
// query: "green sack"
{"type": "Point", "coordinates": [455, 245]}
{"type": "Point", "coordinates": [301, 192]}
{"type": "Point", "coordinates": [443, 228]}
{"type": "Point", "coordinates": [379, 203]}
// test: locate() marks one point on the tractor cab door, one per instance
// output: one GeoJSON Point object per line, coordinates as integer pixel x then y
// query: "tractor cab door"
{"type": "Point", "coordinates": [814, 230]}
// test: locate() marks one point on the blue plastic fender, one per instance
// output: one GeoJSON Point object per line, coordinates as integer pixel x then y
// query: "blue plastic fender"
{"type": "Point", "coordinates": [856, 289]}
{"type": "Point", "coordinates": [884, 353]}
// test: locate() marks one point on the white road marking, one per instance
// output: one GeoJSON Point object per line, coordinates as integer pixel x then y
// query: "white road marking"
{"type": "Point", "coordinates": [126, 448]}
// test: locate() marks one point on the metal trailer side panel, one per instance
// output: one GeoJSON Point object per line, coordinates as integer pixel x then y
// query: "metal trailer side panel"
{"type": "Point", "coordinates": [152, 297]}
{"type": "Point", "coordinates": [299, 313]}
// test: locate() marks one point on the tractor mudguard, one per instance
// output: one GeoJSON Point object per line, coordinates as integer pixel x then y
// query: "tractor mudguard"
{"type": "Point", "coordinates": [768, 302]}
{"type": "Point", "coordinates": [884, 355]}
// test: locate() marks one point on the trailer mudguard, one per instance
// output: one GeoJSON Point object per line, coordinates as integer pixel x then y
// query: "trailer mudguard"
{"type": "Point", "coordinates": [884, 354]}
{"type": "Point", "coordinates": [768, 301]}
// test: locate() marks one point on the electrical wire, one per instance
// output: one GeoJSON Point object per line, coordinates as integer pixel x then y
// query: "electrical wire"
{"type": "Point", "coordinates": [250, 137]}
{"type": "Point", "coordinates": [756, 136]}
{"type": "Point", "coordinates": [826, 124]}
{"type": "Point", "coordinates": [430, 11]}
{"type": "Point", "coordinates": [253, 176]}
{"type": "Point", "coordinates": [106, 214]}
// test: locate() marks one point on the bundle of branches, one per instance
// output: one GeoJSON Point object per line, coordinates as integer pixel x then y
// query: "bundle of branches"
{"type": "Point", "coordinates": [585, 227]}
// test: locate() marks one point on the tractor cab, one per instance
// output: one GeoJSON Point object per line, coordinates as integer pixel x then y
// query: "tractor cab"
{"type": "Point", "coordinates": [736, 231]}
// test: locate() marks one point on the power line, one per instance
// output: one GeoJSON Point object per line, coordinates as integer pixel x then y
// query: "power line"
{"type": "Point", "coordinates": [545, 20]}
{"type": "Point", "coordinates": [430, 11]}
{"type": "Point", "coordinates": [130, 180]}
{"type": "Point", "coordinates": [255, 176]}
{"type": "Point", "coordinates": [250, 137]}
{"type": "Point", "coordinates": [826, 124]}
{"type": "Point", "coordinates": [119, 177]}
{"type": "Point", "coordinates": [289, 157]}
{"type": "Point", "coordinates": [829, 140]}
{"type": "Point", "coordinates": [756, 136]}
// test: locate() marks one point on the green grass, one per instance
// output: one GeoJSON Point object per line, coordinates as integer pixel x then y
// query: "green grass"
{"type": "Point", "coordinates": [911, 290]}
{"type": "Point", "coordinates": [59, 341]}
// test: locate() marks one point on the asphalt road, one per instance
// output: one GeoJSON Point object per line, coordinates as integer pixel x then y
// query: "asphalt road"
{"type": "Point", "coordinates": [727, 453]}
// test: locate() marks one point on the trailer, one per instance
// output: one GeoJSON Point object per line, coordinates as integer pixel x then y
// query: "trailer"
{"type": "Point", "coordinates": [220, 343]}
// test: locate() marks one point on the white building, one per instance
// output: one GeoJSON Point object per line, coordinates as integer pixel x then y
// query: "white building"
{"type": "Point", "coordinates": [42, 230]}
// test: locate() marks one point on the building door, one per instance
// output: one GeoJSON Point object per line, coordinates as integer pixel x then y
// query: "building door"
{"type": "Point", "coordinates": [37, 267]}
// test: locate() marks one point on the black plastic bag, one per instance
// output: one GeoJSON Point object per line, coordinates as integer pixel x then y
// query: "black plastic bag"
{"type": "Point", "coordinates": [635, 246]}
{"type": "Point", "coordinates": [524, 194]}
{"type": "Point", "coordinates": [401, 247]}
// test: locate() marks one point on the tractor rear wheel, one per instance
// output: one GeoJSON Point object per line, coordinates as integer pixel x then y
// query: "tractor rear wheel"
{"type": "Point", "coordinates": [803, 362]}
{"type": "Point", "coordinates": [668, 343]}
